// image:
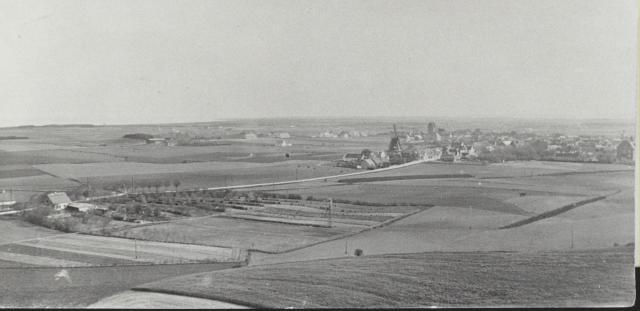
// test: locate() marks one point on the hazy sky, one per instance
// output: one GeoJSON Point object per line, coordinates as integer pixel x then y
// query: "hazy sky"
{"type": "Point", "coordinates": [183, 61]}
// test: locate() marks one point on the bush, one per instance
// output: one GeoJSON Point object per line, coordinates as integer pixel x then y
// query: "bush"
{"type": "Point", "coordinates": [38, 215]}
{"type": "Point", "coordinates": [140, 136]}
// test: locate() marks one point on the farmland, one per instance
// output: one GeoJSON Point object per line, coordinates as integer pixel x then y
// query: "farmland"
{"type": "Point", "coordinates": [270, 225]}
{"type": "Point", "coordinates": [482, 279]}
{"type": "Point", "coordinates": [26, 245]}
{"type": "Point", "coordinates": [468, 214]}
{"type": "Point", "coordinates": [79, 287]}
{"type": "Point", "coordinates": [435, 209]}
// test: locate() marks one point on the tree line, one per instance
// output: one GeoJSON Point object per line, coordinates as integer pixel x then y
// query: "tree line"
{"type": "Point", "coordinates": [143, 185]}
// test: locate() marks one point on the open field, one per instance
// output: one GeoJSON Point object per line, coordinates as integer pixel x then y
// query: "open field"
{"type": "Point", "coordinates": [28, 245]}
{"type": "Point", "coordinates": [148, 300]}
{"type": "Point", "coordinates": [569, 279]}
{"type": "Point", "coordinates": [17, 230]}
{"type": "Point", "coordinates": [194, 175]}
{"type": "Point", "coordinates": [208, 178]}
{"type": "Point", "coordinates": [227, 232]}
{"type": "Point", "coordinates": [467, 225]}
{"type": "Point", "coordinates": [25, 187]}
{"type": "Point", "coordinates": [24, 172]}
{"type": "Point", "coordinates": [50, 288]}
{"type": "Point", "coordinates": [507, 169]}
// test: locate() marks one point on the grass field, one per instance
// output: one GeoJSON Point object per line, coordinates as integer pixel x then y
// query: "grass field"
{"type": "Point", "coordinates": [596, 225]}
{"type": "Point", "coordinates": [24, 244]}
{"type": "Point", "coordinates": [569, 279]}
{"type": "Point", "coordinates": [40, 288]}
{"type": "Point", "coordinates": [147, 300]}
{"type": "Point", "coordinates": [16, 230]}
{"type": "Point", "coordinates": [507, 169]}
{"type": "Point", "coordinates": [227, 232]}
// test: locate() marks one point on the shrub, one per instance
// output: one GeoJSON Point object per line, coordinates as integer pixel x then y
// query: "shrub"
{"type": "Point", "coordinates": [38, 215]}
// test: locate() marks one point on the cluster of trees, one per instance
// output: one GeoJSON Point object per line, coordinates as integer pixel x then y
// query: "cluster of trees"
{"type": "Point", "coordinates": [139, 209]}
{"type": "Point", "coordinates": [536, 150]}
{"type": "Point", "coordinates": [141, 136]}
{"type": "Point", "coordinates": [79, 222]}
{"type": "Point", "coordinates": [143, 185]}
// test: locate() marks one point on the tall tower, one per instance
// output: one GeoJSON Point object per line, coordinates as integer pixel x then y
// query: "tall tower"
{"type": "Point", "coordinates": [431, 127]}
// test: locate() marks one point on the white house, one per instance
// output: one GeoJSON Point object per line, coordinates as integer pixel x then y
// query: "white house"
{"type": "Point", "coordinates": [59, 200]}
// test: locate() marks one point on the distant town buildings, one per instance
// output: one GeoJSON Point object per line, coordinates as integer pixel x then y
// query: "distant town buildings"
{"type": "Point", "coordinates": [250, 135]}
{"type": "Point", "coordinates": [624, 151]}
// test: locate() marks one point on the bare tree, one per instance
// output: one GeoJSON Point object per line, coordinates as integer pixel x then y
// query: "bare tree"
{"type": "Point", "coordinates": [157, 184]}
{"type": "Point", "coordinates": [176, 184]}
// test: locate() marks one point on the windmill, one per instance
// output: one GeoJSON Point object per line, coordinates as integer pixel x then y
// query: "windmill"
{"type": "Point", "coordinates": [394, 146]}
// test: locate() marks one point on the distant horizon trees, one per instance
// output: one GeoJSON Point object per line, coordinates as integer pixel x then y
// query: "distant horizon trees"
{"type": "Point", "coordinates": [143, 185]}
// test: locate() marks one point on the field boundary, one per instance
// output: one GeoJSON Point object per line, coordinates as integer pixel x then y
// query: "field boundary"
{"type": "Point", "coordinates": [403, 177]}
{"type": "Point", "coordinates": [233, 265]}
{"type": "Point", "coordinates": [557, 211]}
{"type": "Point", "coordinates": [338, 237]}
{"type": "Point", "coordinates": [558, 174]}
{"type": "Point", "coordinates": [196, 295]}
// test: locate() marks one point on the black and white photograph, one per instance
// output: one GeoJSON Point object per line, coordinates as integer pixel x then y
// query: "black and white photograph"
{"type": "Point", "coordinates": [291, 154]}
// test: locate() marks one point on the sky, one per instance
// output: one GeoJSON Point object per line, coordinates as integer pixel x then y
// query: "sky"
{"type": "Point", "coordinates": [119, 62]}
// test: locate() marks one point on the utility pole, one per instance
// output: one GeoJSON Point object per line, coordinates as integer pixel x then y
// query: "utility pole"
{"type": "Point", "coordinates": [132, 185]}
{"type": "Point", "coordinates": [571, 236]}
{"type": "Point", "coordinates": [345, 248]}
{"type": "Point", "coordinates": [330, 208]}
{"type": "Point", "coordinates": [135, 247]}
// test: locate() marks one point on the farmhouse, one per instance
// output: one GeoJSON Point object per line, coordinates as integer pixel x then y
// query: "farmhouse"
{"type": "Point", "coordinates": [352, 157]}
{"type": "Point", "coordinates": [59, 200]}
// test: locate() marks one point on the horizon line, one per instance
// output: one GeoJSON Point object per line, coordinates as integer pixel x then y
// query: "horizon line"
{"type": "Point", "coordinates": [630, 120]}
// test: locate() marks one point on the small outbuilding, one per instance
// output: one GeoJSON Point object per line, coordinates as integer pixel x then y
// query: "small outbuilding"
{"type": "Point", "coordinates": [80, 207]}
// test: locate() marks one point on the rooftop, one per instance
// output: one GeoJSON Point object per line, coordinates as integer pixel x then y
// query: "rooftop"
{"type": "Point", "coordinates": [58, 198]}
